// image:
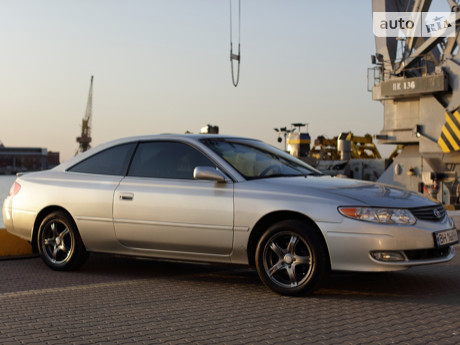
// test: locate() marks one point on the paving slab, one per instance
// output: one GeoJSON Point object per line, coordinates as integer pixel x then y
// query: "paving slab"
{"type": "Point", "coordinates": [123, 300]}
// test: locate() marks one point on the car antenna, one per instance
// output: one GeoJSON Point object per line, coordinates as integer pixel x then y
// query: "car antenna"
{"type": "Point", "coordinates": [236, 57]}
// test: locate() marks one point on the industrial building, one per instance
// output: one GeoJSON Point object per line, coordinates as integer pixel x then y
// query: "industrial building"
{"type": "Point", "coordinates": [23, 159]}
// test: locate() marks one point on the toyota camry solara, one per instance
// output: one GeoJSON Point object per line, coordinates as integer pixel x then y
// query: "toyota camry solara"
{"type": "Point", "coordinates": [222, 199]}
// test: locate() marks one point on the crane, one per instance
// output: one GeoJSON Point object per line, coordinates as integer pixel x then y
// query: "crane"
{"type": "Point", "coordinates": [416, 79]}
{"type": "Point", "coordinates": [84, 141]}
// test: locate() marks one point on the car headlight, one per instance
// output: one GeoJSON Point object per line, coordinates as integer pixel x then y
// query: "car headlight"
{"type": "Point", "coordinates": [379, 215]}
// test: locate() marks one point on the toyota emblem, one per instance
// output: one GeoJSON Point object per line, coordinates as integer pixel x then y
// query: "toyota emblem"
{"type": "Point", "coordinates": [437, 213]}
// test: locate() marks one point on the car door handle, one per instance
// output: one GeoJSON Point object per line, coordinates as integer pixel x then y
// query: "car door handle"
{"type": "Point", "coordinates": [126, 196]}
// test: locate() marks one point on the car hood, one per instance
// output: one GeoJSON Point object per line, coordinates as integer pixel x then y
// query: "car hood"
{"type": "Point", "coordinates": [352, 192]}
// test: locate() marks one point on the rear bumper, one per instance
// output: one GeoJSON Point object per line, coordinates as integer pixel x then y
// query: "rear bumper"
{"type": "Point", "coordinates": [7, 213]}
{"type": "Point", "coordinates": [18, 222]}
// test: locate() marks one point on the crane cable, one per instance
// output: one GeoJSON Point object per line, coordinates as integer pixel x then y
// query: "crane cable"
{"type": "Point", "coordinates": [233, 56]}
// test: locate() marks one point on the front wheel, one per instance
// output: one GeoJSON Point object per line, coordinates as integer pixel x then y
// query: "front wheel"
{"type": "Point", "coordinates": [291, 258]}
{"type": "Point", "coordinates": [59, 243]}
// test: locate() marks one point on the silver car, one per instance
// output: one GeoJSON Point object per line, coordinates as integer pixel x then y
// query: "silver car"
{"type": "Point", "coordinates": [222, 199]}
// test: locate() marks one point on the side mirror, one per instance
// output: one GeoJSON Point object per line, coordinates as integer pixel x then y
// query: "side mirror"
{"type": "Point", "coordinates": [208, 173]}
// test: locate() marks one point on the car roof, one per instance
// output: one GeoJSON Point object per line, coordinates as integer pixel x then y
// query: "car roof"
{"type": "Point", "coordinates": [165, 136]}
{"type": "Point", "coordinates": [170, 136]}
{"type": "Point", "coordinates": [176, 136]}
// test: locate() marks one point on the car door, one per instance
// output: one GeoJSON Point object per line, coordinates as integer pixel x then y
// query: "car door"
{"type": "Point", "coordinates": [87, 193]}
{"type": "Point", "coordinates": [159, 206]}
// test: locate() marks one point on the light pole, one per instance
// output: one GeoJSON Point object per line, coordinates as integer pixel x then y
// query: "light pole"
{"type": "Point", "coordinates": [285, 132]}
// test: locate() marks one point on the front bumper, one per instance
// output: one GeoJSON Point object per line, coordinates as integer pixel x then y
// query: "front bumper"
{"type": "Point", "coordinates": [352, 243]}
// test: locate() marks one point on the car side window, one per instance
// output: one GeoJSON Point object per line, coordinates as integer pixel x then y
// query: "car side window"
{"type": "Point", "coordinates": [113, 161]}
{"type": "Point", "coordinates": [162, 159]}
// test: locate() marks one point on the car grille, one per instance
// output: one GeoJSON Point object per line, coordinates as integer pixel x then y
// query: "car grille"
{"type": "Point", "coordinates": [427, 254]}
{"type": "Point", "coordinates": [432, 213]}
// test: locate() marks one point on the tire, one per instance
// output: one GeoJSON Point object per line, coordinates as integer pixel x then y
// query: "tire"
{"type": "Point", "coordinates": [291, 258]}
{"type": "Point", "coordinates": [59, 243]}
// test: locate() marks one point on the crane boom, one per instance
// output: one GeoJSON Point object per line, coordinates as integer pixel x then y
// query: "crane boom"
{"type": "Point", "coordinates": [84, 141]}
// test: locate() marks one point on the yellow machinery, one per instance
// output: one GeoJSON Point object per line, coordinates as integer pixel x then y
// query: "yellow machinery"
{"type": "Point", "coordinates": [344, 147]}
{"type": "Point", "coordinates": [325, 149]}
{"type": "Point", "coordinates": [361, 147]}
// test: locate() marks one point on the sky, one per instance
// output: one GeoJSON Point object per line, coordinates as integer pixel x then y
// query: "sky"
{"type": "Point", "coordinates": [163, 66]}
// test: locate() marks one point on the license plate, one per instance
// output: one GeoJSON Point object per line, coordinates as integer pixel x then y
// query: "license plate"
{"type": "Point", "coordinates": [445, 238]}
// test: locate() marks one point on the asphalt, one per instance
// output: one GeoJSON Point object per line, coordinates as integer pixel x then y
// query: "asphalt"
{"type": "Point", "coordinates": [116, 300]}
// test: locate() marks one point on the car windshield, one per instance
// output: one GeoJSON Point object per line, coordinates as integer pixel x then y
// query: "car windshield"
{"type": "Point", "coordinates": [254, 159]}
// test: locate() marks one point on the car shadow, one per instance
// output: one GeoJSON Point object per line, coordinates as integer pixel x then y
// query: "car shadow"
{"type": "Point", "coordinates": [425, 284]}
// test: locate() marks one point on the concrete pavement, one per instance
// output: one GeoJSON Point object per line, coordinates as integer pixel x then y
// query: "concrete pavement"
{"type": "Point", "coordinates": [122, 300]}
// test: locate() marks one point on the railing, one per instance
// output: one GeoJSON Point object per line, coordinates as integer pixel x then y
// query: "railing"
{"type": "Point", "coordinates": [377, 74]}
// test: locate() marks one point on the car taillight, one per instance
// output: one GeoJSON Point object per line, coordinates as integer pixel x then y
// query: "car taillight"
{"type": "Point", "coordinates": [15, 188]}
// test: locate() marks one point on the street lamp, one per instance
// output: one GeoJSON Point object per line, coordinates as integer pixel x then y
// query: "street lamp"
{"type": "Point", "coordinates": [285, 132]}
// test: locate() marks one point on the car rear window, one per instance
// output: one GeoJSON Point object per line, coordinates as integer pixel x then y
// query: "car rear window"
{"type": "Point", "coordinates": [113, 161]}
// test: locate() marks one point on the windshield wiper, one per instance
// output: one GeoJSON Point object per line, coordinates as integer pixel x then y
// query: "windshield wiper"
{"type": "Point", "coordinates": [279, 175]}
{"type": "Point", "coordinates": [314, 174]}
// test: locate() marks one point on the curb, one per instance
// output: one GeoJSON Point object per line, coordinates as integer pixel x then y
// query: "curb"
{"type": "Point", "coordinates": [13, 246]}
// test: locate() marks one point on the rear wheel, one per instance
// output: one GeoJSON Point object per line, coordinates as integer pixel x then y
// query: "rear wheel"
{"type": "Point", "coordinates": [291, 258]}
{"type": "Point", "coordinates": [59, 242]}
